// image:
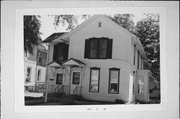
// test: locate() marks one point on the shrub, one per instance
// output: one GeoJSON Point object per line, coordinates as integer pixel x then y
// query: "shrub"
{"type": "Point", "coordinates": [118, 101]}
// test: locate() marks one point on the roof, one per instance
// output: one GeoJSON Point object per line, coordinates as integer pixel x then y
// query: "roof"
{"type": "Point", "coordinates": [73, 61]}
{"type": "Point", "coordinates": [63, 35]}
{"type": "Point", "coordinates": [53, 37]}
{"type": "Point", "coordinates": [42, 46]}
{"type": "Point", "coordinates": [94, 17]}
{"type": "Point", "coordinates": [55, 64]}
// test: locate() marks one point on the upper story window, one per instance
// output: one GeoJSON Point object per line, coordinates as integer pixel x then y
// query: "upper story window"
{"type": "Point", "coordinates": [138, 59]}
{"type": "Point", "coordinates": [134, 55]}
{"type": "Point", "coordinates": [28, 75]}
{"type": "Point", "coordinates": [39, 75]}
{"type": "Point", "coordinates": [142, 62]}
{"type": "Point", "coordinates": [60, 52]}
{"type": "Point", "coordinates": [98, 48]}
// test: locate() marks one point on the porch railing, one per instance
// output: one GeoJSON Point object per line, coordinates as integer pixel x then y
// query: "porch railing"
{"type": "Point", "coordinates": [57, 88]}
{"type": "Point", "coordinates": [77, 90]}
{"type": "Point", "coordinates": [64, 90]}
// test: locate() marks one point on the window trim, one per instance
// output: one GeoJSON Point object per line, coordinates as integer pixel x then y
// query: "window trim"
{"type": "Point", "coordinates": [94, 68]}
{"type": "Point", "coordinates": [62, 78]}
{"type": "Point", "coordinates": [114, 69]}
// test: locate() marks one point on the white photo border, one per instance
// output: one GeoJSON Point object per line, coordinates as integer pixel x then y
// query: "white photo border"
{"type": "Point", "coordinates": [19, 60]}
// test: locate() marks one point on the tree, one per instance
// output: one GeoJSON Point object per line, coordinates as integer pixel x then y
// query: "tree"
{"type": "Point", "coordinates": [124, 20]}
{"type": "Point", "coordinates": [31, 33]}
{"type": "Point", "coordinates": [148, 32]}
{"type": "Point", "coordinates": [70, 20]}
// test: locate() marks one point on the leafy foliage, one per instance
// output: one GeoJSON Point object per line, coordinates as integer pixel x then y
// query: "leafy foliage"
{"type": "Point", "coordinates": [124, 20]}
{"type": "Point", "coordinates": [148, 32]}
{"type": "Point", "coordinates": [69, 20]}
{"type": "Point", "coordinates": [31, 33]}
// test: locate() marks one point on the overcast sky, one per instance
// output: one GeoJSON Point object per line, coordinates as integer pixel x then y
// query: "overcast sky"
{"type": "Point", "coordinates": [48, 28]}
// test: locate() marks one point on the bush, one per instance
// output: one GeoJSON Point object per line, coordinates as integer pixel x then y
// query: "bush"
{"type": "Point", "coordinates": [118, 101]}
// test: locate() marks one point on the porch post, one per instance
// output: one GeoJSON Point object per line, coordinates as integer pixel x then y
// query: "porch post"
{"type": "Point", "coordinates": [69, 79]}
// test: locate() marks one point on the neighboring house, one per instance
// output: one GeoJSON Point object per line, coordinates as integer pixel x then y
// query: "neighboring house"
{"type": "Point", "coordinates": [98, 60]}
{"type": "Point", "coordinates": [35, 67]}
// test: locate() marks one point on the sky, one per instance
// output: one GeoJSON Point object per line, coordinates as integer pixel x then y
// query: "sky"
{"type": "Point", "coordinates": [48, 28]}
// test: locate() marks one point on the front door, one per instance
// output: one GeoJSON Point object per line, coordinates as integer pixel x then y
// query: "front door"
{"type": "Point", "coordinates": [75, 80]}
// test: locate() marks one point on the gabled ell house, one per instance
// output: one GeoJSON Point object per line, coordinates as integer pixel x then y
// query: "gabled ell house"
{"type": "Point", "coordinates": [98, 60]}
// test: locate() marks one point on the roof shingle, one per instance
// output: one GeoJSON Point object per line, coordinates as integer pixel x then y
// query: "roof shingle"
{"type": "Point", "coordinates": [53, 37]}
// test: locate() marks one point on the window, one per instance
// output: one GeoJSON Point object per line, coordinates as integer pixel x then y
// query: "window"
{"type": "Point", "coordinates": [28, 75]}
{"type": "Point", "coordinates": [99, 24]}
{"type": "Point", "coordinates": [59, 78]}
{"type": "Point", "coordinates": [138, 60]}
{"type": "Point", "coordinates": [134, 54]}
{"type": "Point", "coordinates": [94, 48]}
{"type": "Point", "coordinates": [60, 52]}
{"type": "Point", "coordinates": [141, 62]}
{"type": "Point", "coordinates": [134, 75]}
{"type": "Point", "coordinates": [39, 60]}
{"type": "Point", "coordinates": [94, 79]}
{"type": "Point", "coordinates": [102, 48]}
{"type": "Point", "coordinates": [114, 80]}
{"type": "Point", "coordinates": [98, 48]}
{"type": "Point", "coordinates": [76, 78]}
{"type": "Point", "coordinates": [39, 75]}
{"type": "Point", "coordinates": [140, 87]}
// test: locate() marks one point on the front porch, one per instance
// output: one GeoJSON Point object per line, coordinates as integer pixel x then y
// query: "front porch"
{"type": "Point", "coordinates": [65, 77]}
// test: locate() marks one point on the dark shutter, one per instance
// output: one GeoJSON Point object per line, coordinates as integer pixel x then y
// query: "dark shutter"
{"type": "Point", "coordinates": [87, 48]}
{"type": "Point", "coordinates": [55, 54]}
{"type": "Point", "coordinates": [109, 48]}
{"type": "Point", "coordinates": [66, 51]}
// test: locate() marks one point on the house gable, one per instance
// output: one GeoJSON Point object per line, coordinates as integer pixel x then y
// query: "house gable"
{"type": "Point", "coordinates": [100, 28]}
{"type": "Point", "coordinates": [101, 20]}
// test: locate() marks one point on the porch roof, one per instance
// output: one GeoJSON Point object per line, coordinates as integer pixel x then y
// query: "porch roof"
{"type": "Point", "coordinates": [73, 62]}
{"type": "Point", "coordinates": [55, 64]}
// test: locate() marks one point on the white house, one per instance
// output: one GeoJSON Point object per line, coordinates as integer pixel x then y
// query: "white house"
{"type": "Point", "coordinates": [98, 60]}
{"type": "Point", "coordinates": [35, 67]}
